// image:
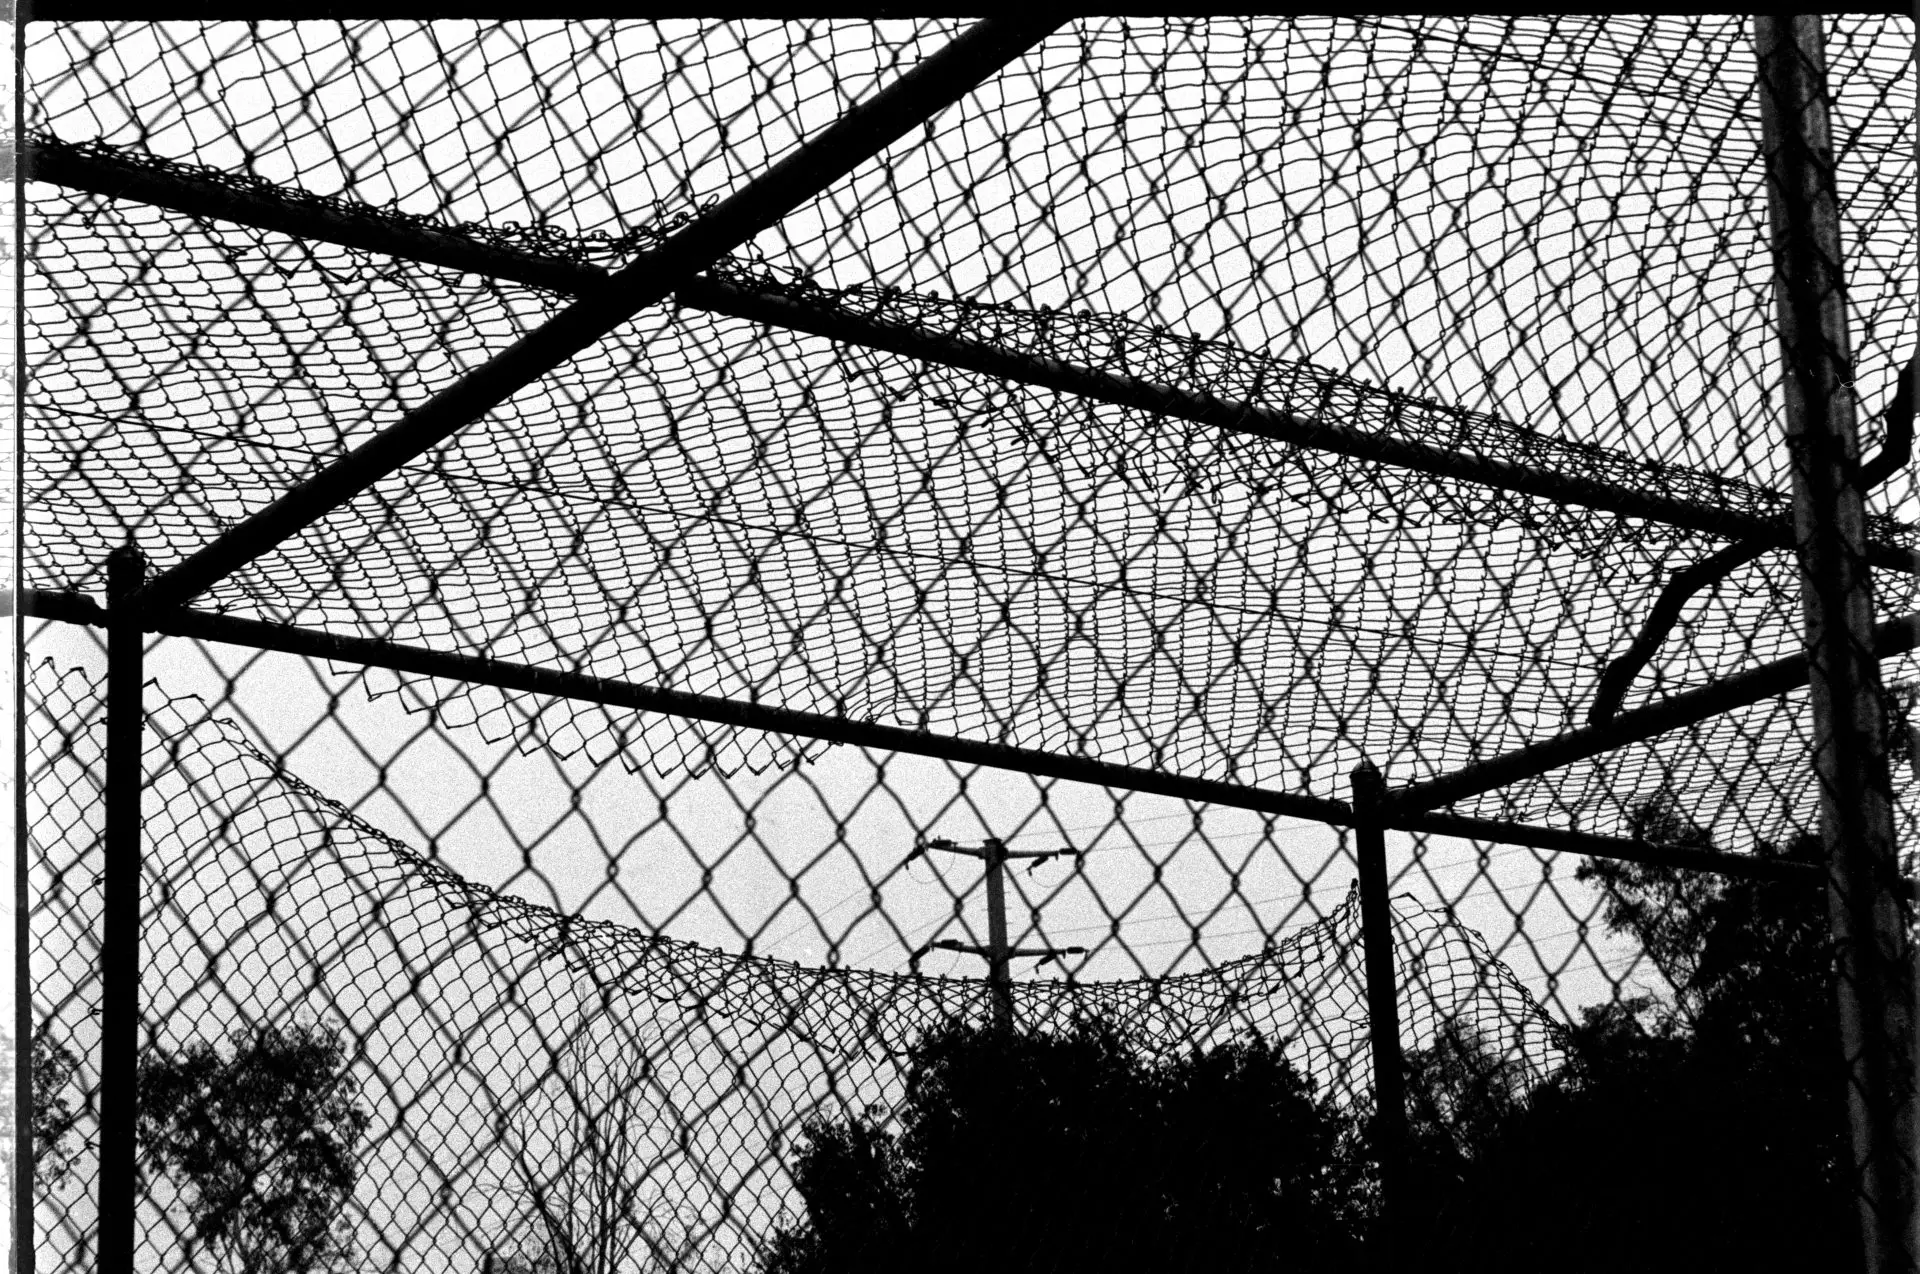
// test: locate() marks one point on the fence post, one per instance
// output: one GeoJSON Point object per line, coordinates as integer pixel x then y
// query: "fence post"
{"type": "Point", "coordinates": [1383, 1010]}
{"type": "Point", "coordinates": [23, 1254]}
{"type": "Point", "coordinates": [1867, 914]}
{"type": "Point", "coordinates": [120, 918]}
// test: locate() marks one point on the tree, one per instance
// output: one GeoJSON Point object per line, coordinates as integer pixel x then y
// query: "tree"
{"type": "Point", "coordinates": [1753, 985]}
{"type": "Point", "coordinates": [1460, 1094]}
{"type": "Point", "coordinates": [1668, 910]}
{"type": "Point", "coordinates": [263, 1140]}
{"type": "Point", "coordinates": [580, 1158]}
{"type": "Point", "coordinates": [1700, 1129]}
{"type": "Point", "coordinates": [1068, 1152]}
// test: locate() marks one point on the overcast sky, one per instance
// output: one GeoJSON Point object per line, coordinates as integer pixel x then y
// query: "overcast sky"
{"type": "Point", "coordinates": [1386, 199]}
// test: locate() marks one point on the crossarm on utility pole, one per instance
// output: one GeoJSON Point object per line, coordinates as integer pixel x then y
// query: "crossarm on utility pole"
{"type": "Point", "coordinates": [948, 847]}
{"type": "Point", "coordinates": [863, 132]}
{"type": "Point", "coordinates": [1013, 953]}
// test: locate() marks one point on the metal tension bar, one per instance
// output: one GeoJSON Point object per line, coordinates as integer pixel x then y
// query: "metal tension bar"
{"type": "Point", "coordinates": [863, 132]}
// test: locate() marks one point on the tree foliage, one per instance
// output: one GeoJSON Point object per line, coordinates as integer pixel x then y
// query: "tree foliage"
{"type": "Point", "coordinates": [1697, 1129]}
{"type": "Point", "coordinates": [262, 1139]}
{"type": "Point", "coordinates": [1068, 1152]}
{"type": "Point", "coordinates": [1460, 1093]}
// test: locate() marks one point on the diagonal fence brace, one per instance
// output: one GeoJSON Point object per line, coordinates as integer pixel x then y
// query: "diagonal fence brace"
{"type": "Point", "coordinates": [863, 132]}
{"type": "Point", "coordinates": [1767, 681]}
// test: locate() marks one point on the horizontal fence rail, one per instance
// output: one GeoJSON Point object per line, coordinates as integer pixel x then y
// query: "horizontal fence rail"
{"type": "Point", "coordinates": [233, 630]}
{"type": "Point", "coordinates": [115, 177]}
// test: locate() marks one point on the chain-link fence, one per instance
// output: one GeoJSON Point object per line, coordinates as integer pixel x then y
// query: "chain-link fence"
{"type": "Point", "coordinates": [595, 591]}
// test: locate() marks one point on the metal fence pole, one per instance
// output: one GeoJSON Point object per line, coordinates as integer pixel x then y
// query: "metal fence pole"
{"type": "Point", "coordinates": [120, 918]}
{"type": "Point", "coordinates": [1869, 920]}
{"type": "Point", "coordinates": [22, 1256]}
{"type": "Point", "coordinates": [1383, 1010]}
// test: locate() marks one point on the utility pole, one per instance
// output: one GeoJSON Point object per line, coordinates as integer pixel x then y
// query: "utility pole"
{"type": "Point", "coordinates": [998, 953]}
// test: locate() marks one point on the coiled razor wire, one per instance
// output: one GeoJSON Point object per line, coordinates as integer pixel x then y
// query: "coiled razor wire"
{"type": "Point", "coordinates": [484, 1028]}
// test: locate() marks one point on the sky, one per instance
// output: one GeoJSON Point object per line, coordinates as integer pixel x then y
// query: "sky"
{"type": "Point", "coordinates": [1484, 263]}
{"type": "Point", "coordinates": [596, 842]}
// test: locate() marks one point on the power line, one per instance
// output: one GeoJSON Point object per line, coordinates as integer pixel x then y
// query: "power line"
{"type": "Point", "coordinates": [1162, 918]}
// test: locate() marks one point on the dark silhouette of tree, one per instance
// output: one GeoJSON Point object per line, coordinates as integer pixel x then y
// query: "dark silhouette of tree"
{"type": "Point", "coordinates": [1068, 1152]}
{"type": "Point", "coordinates": [1461, 1093]}
{"type": "Point", "coordinates": [1697, 1130]}
{"type": "Point", "coordinates": [263, 1142]}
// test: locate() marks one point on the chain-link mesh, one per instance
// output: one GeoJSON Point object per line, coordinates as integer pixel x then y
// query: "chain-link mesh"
{"type": "Point", "coordinates": [1235, 399]}
{"type": "Point", "coordinates": [1008, 553]}
{"type": "Point", "coordinates": [483, 1026]}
